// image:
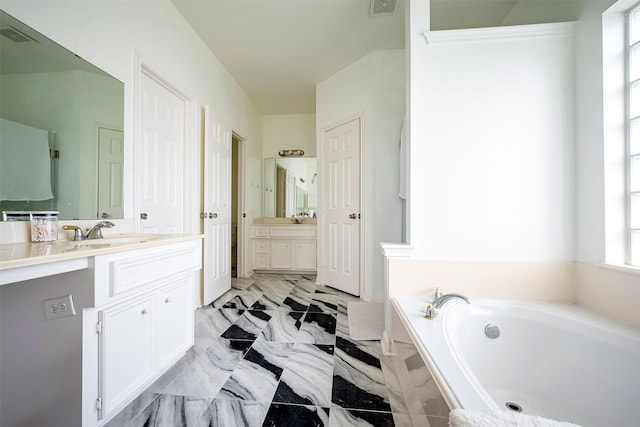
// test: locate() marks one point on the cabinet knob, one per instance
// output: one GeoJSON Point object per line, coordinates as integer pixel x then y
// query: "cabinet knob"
{"type": "Point", "coordinates": [104, 215]}
{"type": "Point", "coordinates": [144, 311]}
{"type": "Point", "coordinates": [167, 300]}
{"type": "Point", "coordinates": [144, 215]}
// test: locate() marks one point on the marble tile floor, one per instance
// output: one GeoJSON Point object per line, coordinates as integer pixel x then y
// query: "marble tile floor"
{"type": "Point", "coordinates": [275, 350]}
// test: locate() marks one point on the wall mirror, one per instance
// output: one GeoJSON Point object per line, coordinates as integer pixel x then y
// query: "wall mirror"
{"type": "Point", "coordinates": [61, 129]}
{"type": "Point", "coordinates": [290, 187]}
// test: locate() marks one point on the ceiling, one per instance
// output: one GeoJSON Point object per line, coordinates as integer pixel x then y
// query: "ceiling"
{"type": "Point", "coordinates": [277, 50]}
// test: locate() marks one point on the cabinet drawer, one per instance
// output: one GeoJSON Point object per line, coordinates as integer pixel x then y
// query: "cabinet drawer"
{"type": "Point", "coordinates": [294, 231]}
{"type": "Point", "coordinates": [262, 261]}
{"type": "Point", "coordinates": [262, 247]}
{"type": "Point", "coordinates": [124, 272]}
{"type": "Point", "coordinates": [261, 231]}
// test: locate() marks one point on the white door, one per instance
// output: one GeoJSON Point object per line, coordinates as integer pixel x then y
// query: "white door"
{"type": "Point", "coordinates": [161, 158]}
{"type": "Point", "coordinates": [341, 182]}
{"type": "Point", "coordinates": [110, 173]}
{"type": "Point", "coordinates": [217, 208]}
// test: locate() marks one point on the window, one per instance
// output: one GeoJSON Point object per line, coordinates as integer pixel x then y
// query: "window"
{"type": "Point", "coordinates": [633, 136]}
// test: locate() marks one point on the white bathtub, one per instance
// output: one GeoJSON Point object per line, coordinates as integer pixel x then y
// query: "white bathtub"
{"type": "Point", "coordinates": [556, 361]}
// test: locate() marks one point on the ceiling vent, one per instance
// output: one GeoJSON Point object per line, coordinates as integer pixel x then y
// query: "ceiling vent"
{"type": "Point", "coordinates": [383, 7]}
{"type": "Point", "coordinates": [15, 35]}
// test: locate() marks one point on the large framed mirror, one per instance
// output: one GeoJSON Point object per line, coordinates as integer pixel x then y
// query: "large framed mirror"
{"type": "Point", "coordinates": [61, 129]}
{"type": "Point", "coordinates": [290, 187]}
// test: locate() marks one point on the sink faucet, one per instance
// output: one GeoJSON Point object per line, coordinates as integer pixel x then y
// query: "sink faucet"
{"type": "Point", "coordinates": [94, 232]}
{"type": "Point", "coordinates": [439, 300]}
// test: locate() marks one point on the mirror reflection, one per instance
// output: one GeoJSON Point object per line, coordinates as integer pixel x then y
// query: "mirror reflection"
{"type": "Point", "coordinates": [290, 187]}
{"type": "Point", "coordinates": [61, 129]}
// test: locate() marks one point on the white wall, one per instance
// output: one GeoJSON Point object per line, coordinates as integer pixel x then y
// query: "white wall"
{"type": "Point", "coordinates": [288, 131]}
{"type": "Point", "coordinates": [372, 87]}
{"type": "Point", "coordinates": [492, 146]}
{"type": "Point", "coordinates": [110, 35]}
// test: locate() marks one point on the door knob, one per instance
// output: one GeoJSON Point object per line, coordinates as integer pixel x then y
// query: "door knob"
{"type": "Point", "coordinates": [104, 215]}
{"type": "Point", "coordinates": [213, 215]}
{"type": "Point", "coordinates": [353, 216]}
{"type": "Point", "coordinates": [144, 215]}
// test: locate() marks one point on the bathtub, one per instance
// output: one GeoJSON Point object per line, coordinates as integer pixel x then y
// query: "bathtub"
{"type": "Point", "coordinates": [553, 360]}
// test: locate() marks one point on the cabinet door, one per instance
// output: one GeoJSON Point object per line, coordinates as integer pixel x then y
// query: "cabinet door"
{"type": "Point", "coordinates": [175, 321]}
{"type": "Point", "coordinates": [305, 255]}
{"type": "Point", "coordinates": [281, 254]}
{"type": "Point", "coordinates": [125, 351]}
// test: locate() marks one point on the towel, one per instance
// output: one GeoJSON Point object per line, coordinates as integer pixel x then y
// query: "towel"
{"type": "Point", "coordinates": [488, 418]}
{"type": "Point", "coordinates": [25, 164]}
{"type": "Point", "coordinates": [403, 161]}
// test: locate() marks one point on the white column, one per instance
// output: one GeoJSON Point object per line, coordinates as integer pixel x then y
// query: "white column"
{"type": "Point", "coordinates": [391, 251]}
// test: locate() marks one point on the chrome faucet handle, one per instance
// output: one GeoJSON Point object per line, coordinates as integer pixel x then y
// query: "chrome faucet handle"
{"type": "Point", "coordinates": [431, 312]}
{"type": "Point", "coordinates": [95, 232]}
{"type": "Point", "coordinates": [77, 232]}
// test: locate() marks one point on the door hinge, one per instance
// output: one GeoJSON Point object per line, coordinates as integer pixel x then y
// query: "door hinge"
{"type": "Point", "coordinates": [99, 404]}
{"type": "Point", "coordinates": [99, 328]}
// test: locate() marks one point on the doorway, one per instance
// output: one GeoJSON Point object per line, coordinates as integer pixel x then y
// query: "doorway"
{"type": "Point", "coordinates": [237, 205]}
{"type": "Point", "coordinates": [341, 211]}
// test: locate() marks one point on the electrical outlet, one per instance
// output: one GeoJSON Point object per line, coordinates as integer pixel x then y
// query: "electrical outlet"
{"type": "Point", "coordinates": [55, 308]}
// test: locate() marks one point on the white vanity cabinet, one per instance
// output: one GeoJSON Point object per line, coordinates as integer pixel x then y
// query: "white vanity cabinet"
{"type": "Point", "coordinates": [284, 247]}
{"type": "Point", "coordinates": [144, 317]}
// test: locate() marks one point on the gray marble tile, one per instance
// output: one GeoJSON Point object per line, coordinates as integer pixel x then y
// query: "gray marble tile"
{"type": "Point", "coordinates": [394, 388]}
{"type": "Point", "coordinates": [276, 289]}
{"type": "Point", "coordinates": [132, 410]}
{"type": "Point", "coordinates": [256, 376]}
{"type": "Point", "coordinates": [425, 389]}
{"type": "Point", "coordinates": [356, 418]}
{"type": "Point", "coordinates": [308, 376]}
{"type": "Point", "coordinates": [342, 326]}
{"type": "Point", "coordinates": [297, 301]}
{"type": "Point", "coordinates": [283, 326]}
{"type": "Point", "coordinates": [214, 322]}
{"type": "Point", "coordinates": [318, 328]}
{"type": "Point", "coordinates": [248, 326]}
{"type": "Point", "coordinates": [242, 283]}
{"type": "Point", "coordinates": [231, 412]}
{"type": "Point", "coordinates": [207, 373]}
{"type": "Point", "coordinates": [222, 299]}
{"type": "Point", "coordinates": [171, 411]}
{"type": "Point", "coordinates": [281, 414]}
{"type": "Point", "coordinates": [358, 380]}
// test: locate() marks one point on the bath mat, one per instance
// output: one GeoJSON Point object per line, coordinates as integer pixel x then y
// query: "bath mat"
{"type": "Point", "coordinates": [366, 320]}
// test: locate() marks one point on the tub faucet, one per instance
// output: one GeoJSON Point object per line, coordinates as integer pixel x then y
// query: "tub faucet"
{"type": "Point", "coordinates": [433, 309]}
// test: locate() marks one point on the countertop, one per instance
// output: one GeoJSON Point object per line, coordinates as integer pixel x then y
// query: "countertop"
{"type": "Point", "coordinates": [24, 254]}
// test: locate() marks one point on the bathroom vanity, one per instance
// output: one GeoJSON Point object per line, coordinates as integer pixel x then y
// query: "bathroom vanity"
{"type": "Point", "coordinates": [133, 297]}
{"type": "Point", "coordinates": [281, 244]}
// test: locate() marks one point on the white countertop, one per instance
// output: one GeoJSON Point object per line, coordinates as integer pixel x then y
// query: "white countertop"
{"type": "Point", "coordinates": [24, 254]}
